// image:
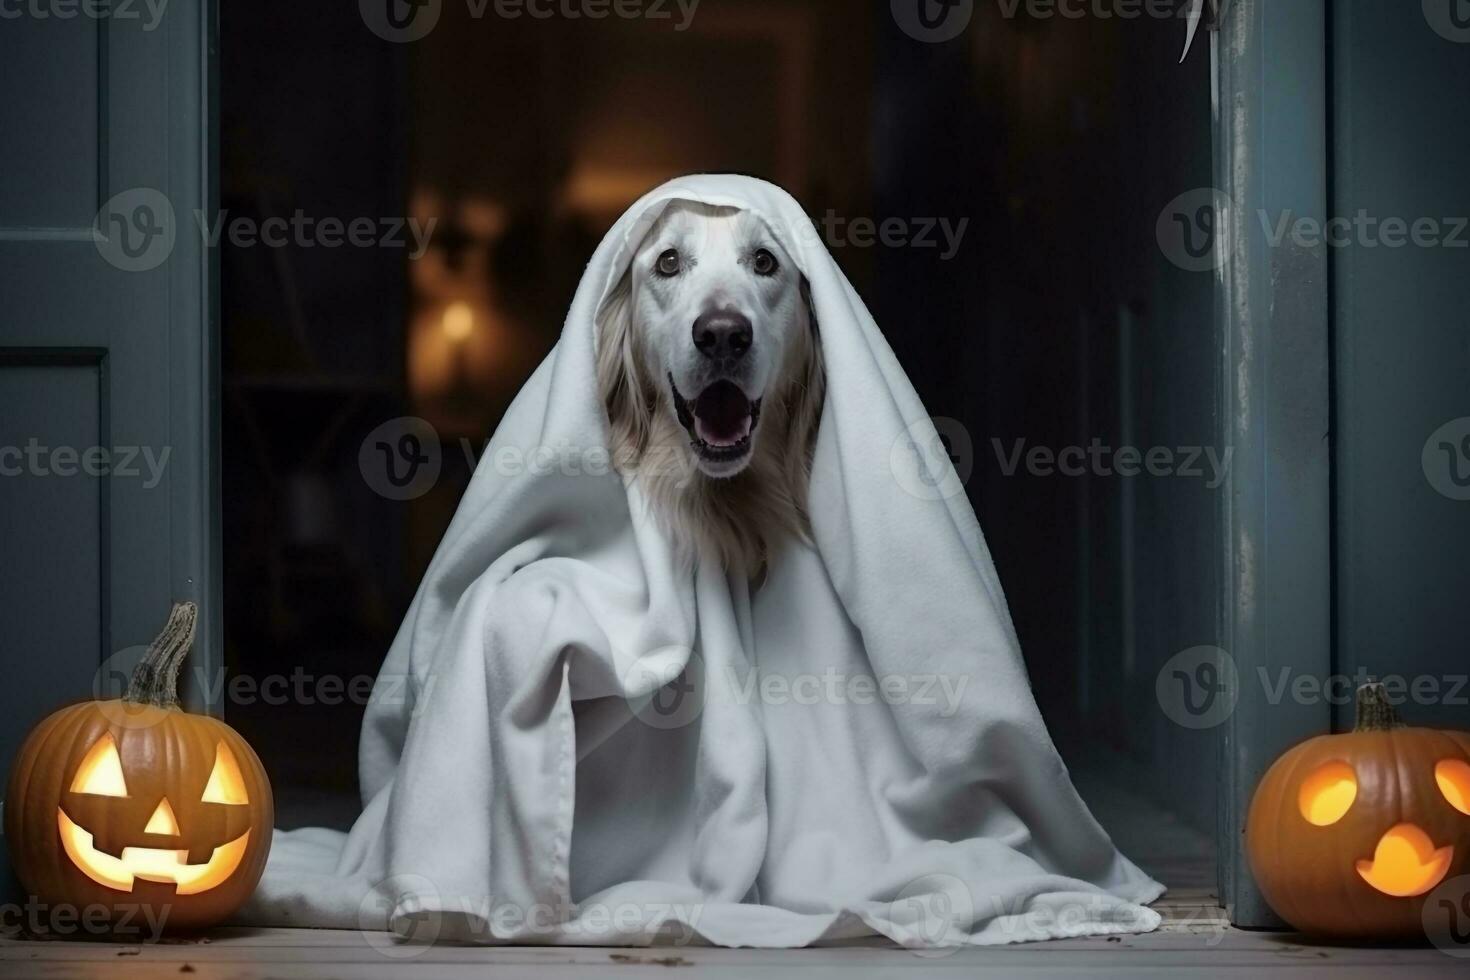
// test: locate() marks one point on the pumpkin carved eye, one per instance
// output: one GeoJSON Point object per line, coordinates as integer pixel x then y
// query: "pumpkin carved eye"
{"type": "Point", "coordinates": [1328, 793]}
{"type": "Point", "coordinates": [1453, 776]}
{"type": "Point", "coordinates": [225, 785]}
{"type": "Point", "coordinates": [100, 773]}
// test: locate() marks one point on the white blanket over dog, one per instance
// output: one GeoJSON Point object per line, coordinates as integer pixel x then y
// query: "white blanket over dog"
{"type": "Point", "coordinates": [849, 749]}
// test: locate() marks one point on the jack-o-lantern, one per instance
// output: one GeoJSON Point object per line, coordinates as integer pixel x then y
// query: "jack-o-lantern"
{"type": "Point", "coordinates": [135, 804]}
{"type": "Point", "coordinates": [1349, 833]}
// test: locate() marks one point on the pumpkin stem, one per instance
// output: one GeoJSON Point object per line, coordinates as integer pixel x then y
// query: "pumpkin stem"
{"type": "Point", "coordinates": [1375, 712]}
{"type": "Point", "coordinates": [155, 680]}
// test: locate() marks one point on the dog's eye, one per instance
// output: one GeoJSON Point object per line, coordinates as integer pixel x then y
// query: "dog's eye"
{"type": "Point", "coordinates": [668, 263]}
{"type": "Point", "coordinates": [765, 263]}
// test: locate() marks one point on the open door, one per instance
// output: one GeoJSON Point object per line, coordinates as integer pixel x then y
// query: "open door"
{"type": "Point", "coordinates": [108, 495]}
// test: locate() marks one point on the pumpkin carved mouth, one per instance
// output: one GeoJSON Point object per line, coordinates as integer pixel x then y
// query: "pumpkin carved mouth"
{"type": "Point", "coordinates": [149, 863]}
{"type": "Point", "coordinates": [1406, 863]}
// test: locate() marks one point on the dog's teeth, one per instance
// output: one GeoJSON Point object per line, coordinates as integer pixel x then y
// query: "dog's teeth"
{"type": "Point", "coordinates": [721, 441]}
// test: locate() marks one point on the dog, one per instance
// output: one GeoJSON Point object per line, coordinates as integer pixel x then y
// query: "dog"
{"type": "Point", "coordinates": [709, 363]}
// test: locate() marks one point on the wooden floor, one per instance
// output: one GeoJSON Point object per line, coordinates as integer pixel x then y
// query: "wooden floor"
{"type": "Point", "coordinates": [1196, 938]}
{"type": "Point", "coordinates": [1199, 946]}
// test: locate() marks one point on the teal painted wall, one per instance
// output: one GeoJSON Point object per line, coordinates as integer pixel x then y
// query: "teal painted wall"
{"type": "Point", "coordinates": [1401, 150]}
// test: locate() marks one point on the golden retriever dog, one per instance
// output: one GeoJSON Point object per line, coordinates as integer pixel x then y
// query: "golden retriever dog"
{"type": "Point", "coordinates": [710, 367]}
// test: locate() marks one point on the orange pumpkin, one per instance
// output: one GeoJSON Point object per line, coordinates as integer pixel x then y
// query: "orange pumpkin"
{"type": "Point", "coordinates": [135, 805]}
{"type": "Point", "coordinates": [1348, 834]}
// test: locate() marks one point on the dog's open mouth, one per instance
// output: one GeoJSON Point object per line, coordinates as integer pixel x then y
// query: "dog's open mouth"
{"type": "Point", "coordinates": [720, 422]}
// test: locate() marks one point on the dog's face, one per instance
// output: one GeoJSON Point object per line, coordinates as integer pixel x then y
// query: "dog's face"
{"type": "Point", "coordinates": [721, 319]}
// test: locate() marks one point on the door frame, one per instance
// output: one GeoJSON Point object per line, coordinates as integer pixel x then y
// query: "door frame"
{"type": "Point", "coordinates": [1270, 114]}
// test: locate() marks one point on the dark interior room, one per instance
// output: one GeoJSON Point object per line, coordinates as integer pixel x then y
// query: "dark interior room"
{"type": "Point", "coordinates": [1180, 285]}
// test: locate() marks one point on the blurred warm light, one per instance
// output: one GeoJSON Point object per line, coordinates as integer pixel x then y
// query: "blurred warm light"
{"type": "Point", "coordinates": [605, 190]}
{"type": "Point", "coordinates": [458, 322]}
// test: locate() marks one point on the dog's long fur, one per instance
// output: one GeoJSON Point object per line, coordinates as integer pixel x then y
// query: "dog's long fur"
{"type": "Point", "coordinates": [739, 519]}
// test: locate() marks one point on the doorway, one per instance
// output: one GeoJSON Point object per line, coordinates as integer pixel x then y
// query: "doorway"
{"type": "Point", "coordinates": [993, 198]}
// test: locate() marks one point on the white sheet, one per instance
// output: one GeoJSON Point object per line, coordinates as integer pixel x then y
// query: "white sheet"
{"type": "Point", "coordinates": [527, 790]}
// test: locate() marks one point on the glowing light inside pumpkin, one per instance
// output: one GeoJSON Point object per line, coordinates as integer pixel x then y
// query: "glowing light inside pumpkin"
{"type": "Point", "coordinates": [1406, 863]}
{"type": "Point", "coordinates": [149, 863]}
{"type": "Point", "coordinates": [1453, 776]}
{"type": "Point", "coordinates": [100, 773]}
{"type": "Point", "coordinates": [163, 820]}
{"type": "Point", "coordinates": [225, 785]}
{"type": "Point", "coordinates": [459, 322]}
{"type": "Point", "coordinates": [1327, 794]}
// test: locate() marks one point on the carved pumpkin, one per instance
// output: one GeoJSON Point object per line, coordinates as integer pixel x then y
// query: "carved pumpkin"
{"type": "Point", "coordinates": [135, 803]}
{"type": "Point", "coordinates": [1349, 833]}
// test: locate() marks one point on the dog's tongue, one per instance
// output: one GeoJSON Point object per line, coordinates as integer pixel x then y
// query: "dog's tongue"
{"type": "Point", "coordinates": [722, 414]}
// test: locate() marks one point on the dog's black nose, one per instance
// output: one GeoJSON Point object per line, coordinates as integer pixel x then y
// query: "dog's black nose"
{"type": "Point", "coordinates": [721, 334]}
